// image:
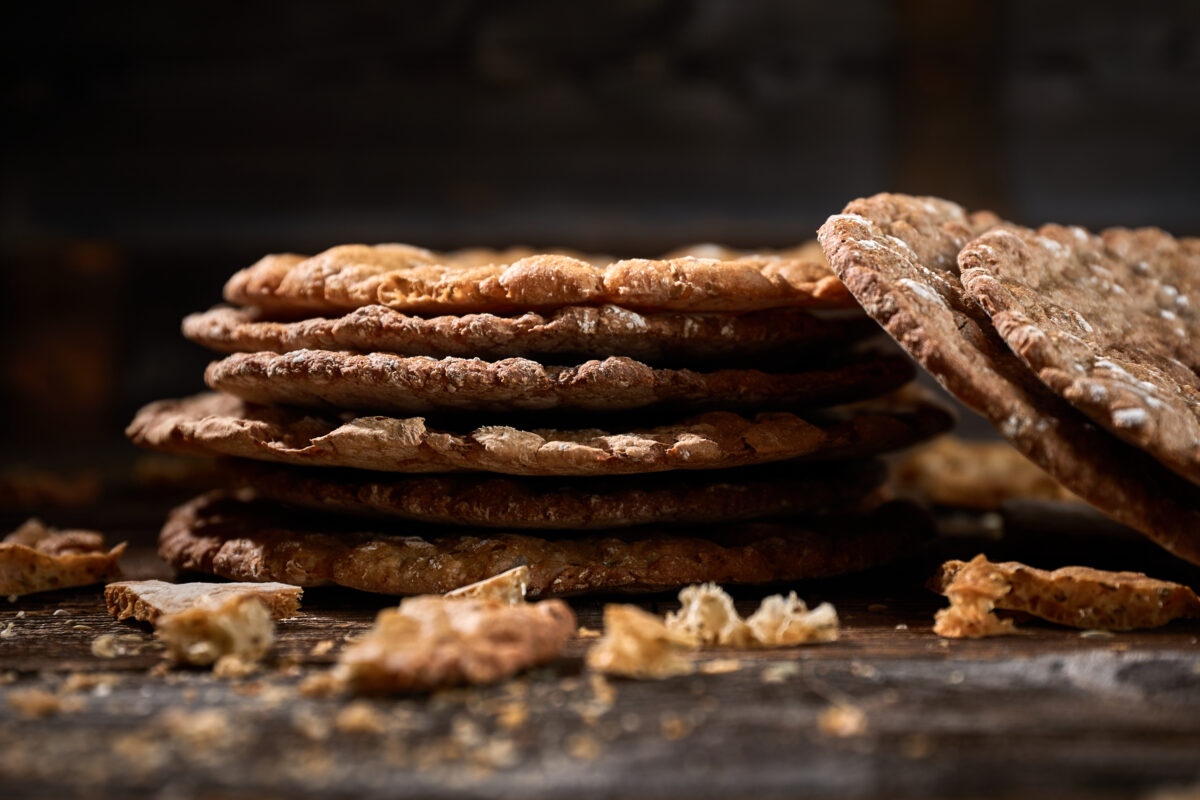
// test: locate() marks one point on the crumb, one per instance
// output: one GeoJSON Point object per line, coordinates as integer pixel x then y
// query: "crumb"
{"type": "Point", "coordinates": [916, 746]}
{"type": "Point", "coordinates": [707, 616]}
{"type": "Point", "coordinates": [719, 666]}
{"type": "Point", "coordinates": [101, 682]}
{"type": "Point", "coordinates": [780, 671]}
{"type": "Point", "coordinates": [105, 646]}
{"type": "Point", "coordinates": [901, 627]}
{"type": "Point", "coordinates": [311, 725]}
{"type": "Point", "coordinates": [322, 647]}
{"type": "Point", "coordinates": [583, 747]}
{"type": "Point", "coordinates": [37, 703]}
{"type": "Point", "coordinates": [359, 717]}
{"type": "Point", "coordinates": [234, 666]}
{"type": "Point", "coordinates": [9, 631]}
{"type": "Point", "coordinates": [203, 730]}
{"type": "Point", "coordinates": [58, 612]}
{"type": "Point", "coordinates": [861, 670]}
{"type": "Point", "coordinates": [512, 715]}
{"type": "Point", "coordinates": [320, 684]}
{"type": "Point", "coordinates": [674, 727]}
{"type": "Point", "coordinates": [842, 721]}
{"type": "Point", "coordinates": [587, 633]}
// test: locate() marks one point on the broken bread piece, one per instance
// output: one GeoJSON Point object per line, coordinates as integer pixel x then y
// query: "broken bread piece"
{"type": "Point", "coordinates": [1080, 597]}
{"type": "Point", "coordinates": [37, 558]}
{"type": "Point", "coordinates": [974, 591]}
{"type": "Point", "coordinates": [148, 600]}
{"type": "Point", "coordinates": [237, 628]}
{"type": "Point", "coordinates": [508, 587]}
{"type": "Point", "coordinates": [707, 617]}
{"type": "Point", "coordinates": [785, 621]}
{"type": "Point", "coordinates": [637, 644]}
{"type": "Point", "coordinates": [432, 641]}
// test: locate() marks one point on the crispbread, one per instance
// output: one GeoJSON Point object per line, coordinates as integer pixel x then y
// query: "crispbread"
{"type": "Point", "coordinates": [149, 600]}
{"type": "Point", "coordinates": [390, 384]}
{"type": "Point", "coordinates": [431, 642]}
{"type": "Point", "coordinates": [1109, 322]}
{"type": "Point", "coordinates": [415, 280]}
{"type": "Point", "coordinates": [565, 503]}
{"type": "Point", "coordinates": [897, 254]}
{"type": "Point", "coordinates": [1080, 597]}
{"type": "Point", "coordinates": [581, 332]}
{"type": "Point", "coordinates": [217, 424]}
{"type": "Point", "coordinates": [243, 539]}
{"type": "Point", "coordinates": [35, 558]}
{"type": "Point", "coordinates": [973, 474]}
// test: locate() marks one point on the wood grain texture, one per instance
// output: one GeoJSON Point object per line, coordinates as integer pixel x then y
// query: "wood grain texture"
{"type": "Point", "coordinates": [1046, 714]}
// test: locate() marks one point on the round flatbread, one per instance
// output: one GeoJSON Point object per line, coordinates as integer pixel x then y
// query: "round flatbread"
{"type": "Point", "coordinates": [488, 501]}
{"type": "Point", "coordinates": [898, 254]}
{"type": "Point", "coordinates": [222, 425]}
{"type": "Point", "coordinates": [575, 333]}
{"type": "Point", "coordinates": [1111, 323]}
{"type": "Point", "coordinates": [415, 280]}
{"type": "Point", "coordinates": [248, 540]}
{"type": "Point", "coordinates": [390, 384]}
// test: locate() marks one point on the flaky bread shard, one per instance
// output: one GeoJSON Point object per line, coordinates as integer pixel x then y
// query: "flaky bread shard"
{"type": "Point", "coordinates": [237, 627]}
{"type": "Point", "coordinates": [707, 617]}
{"type": "Point", "coordinates": [1080, 597]}
{"type": "Point", "coordinates": [392, 384]}
{"type": "Point", "coordinates": [579, 331]}
{"type": "Point", "coordinates": [36, 558]}
{"type": "Point", "coordinates": [431, 641]}
{"type": "Point", "coordinates": [1110, 322]}
{"type": "Point", "coordinates": [149, 600]}
{"type": "Point", "coordinates": [637, 644]}
{"type": "Point", "coordinates": [899, 256]}
{"type": "Point", "coordinates": [217, 424]}
{"type": "Point", "coordinates": [411, 279]}
{"type": "Point", "coordinates": [508, 587]}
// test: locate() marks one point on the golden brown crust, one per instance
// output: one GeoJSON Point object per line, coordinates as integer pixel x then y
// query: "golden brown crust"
{"type": "Point", "coordinates": [431, 642]}
{"type": "Point", "coordinates": [389, 384]}
{"type": "Point", "coordinates": [585, 504]}
{"type": "Point", "coordinates": [1109, 322]}
{"type": "Point", "coordinates": [35, 558]}
{"type": "Point", "coordinates": [897, 254]}
{"type": "Point", "coordinates": [415, 280]}
{"type": "Point", "coordinates": [1080, 597]}
{"type": "Point", "coordinates": [969, 474]}
{"type": "Point", "coordinates": [638, 644]}
{"type": "Point", "coordinates": [257, 541]}
{"type": "Point", "coordinates": [579, 332]}
{"type": "Point", "coordinates": [216, 424]}
{"type": "Point", "coordinates": [148, 600]}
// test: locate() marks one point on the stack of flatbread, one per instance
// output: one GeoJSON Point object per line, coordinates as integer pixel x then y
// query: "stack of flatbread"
{"type": "Point", "coordinates": [403, 421]}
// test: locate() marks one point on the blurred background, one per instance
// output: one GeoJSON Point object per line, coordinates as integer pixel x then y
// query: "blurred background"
{"type": "Point", "coordinates": [151, 151]}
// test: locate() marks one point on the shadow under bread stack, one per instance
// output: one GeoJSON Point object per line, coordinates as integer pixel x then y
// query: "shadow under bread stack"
{"type": "Point", "coordinates": [403, 421]}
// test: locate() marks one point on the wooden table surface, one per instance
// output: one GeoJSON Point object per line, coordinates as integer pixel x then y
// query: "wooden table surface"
{"type": "Point", "coordinates": [1048, 714]}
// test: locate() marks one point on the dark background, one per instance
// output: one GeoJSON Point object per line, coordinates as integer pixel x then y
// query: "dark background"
{"type": "Point", "coordinates": [150, 151]}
